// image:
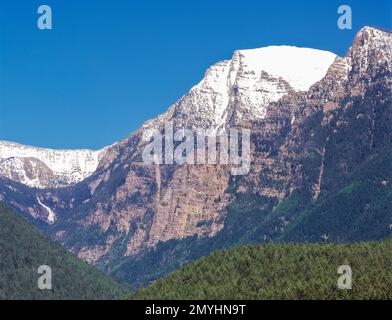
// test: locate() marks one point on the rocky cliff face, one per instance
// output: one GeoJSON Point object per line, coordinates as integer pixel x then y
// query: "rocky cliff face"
{"type": "Point", "coordinates": [314, 118]}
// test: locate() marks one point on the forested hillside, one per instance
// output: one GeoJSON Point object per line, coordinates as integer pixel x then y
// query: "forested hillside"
{"type": "Point", "coordinates": [281, 271]}
{"type": "Point", "coordinates": [23, 250]}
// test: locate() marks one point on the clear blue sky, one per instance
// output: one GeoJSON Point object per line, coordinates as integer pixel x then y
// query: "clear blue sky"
{"type": "Point", "coordinates": [107, 66]}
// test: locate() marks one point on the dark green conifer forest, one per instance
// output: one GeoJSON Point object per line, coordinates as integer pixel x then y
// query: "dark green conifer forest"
{"type": "Point", "coordinates": [23, 249]}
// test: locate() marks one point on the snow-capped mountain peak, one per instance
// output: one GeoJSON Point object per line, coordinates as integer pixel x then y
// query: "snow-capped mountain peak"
{"type": "Point", "coordinates": [246, 84]}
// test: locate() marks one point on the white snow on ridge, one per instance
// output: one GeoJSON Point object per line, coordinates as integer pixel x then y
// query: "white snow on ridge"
{"type": "Point", "coordinates": [300, 67]}
{"type": "Point", "coordinates": [69, 166]}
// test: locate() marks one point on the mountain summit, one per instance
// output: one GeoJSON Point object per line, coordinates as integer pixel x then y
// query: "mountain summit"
{"type": "Point", "coordinates": [243, 87]}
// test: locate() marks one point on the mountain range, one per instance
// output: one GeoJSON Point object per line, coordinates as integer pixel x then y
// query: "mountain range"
{"type": "Point", "coordinates": [320, 169]}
